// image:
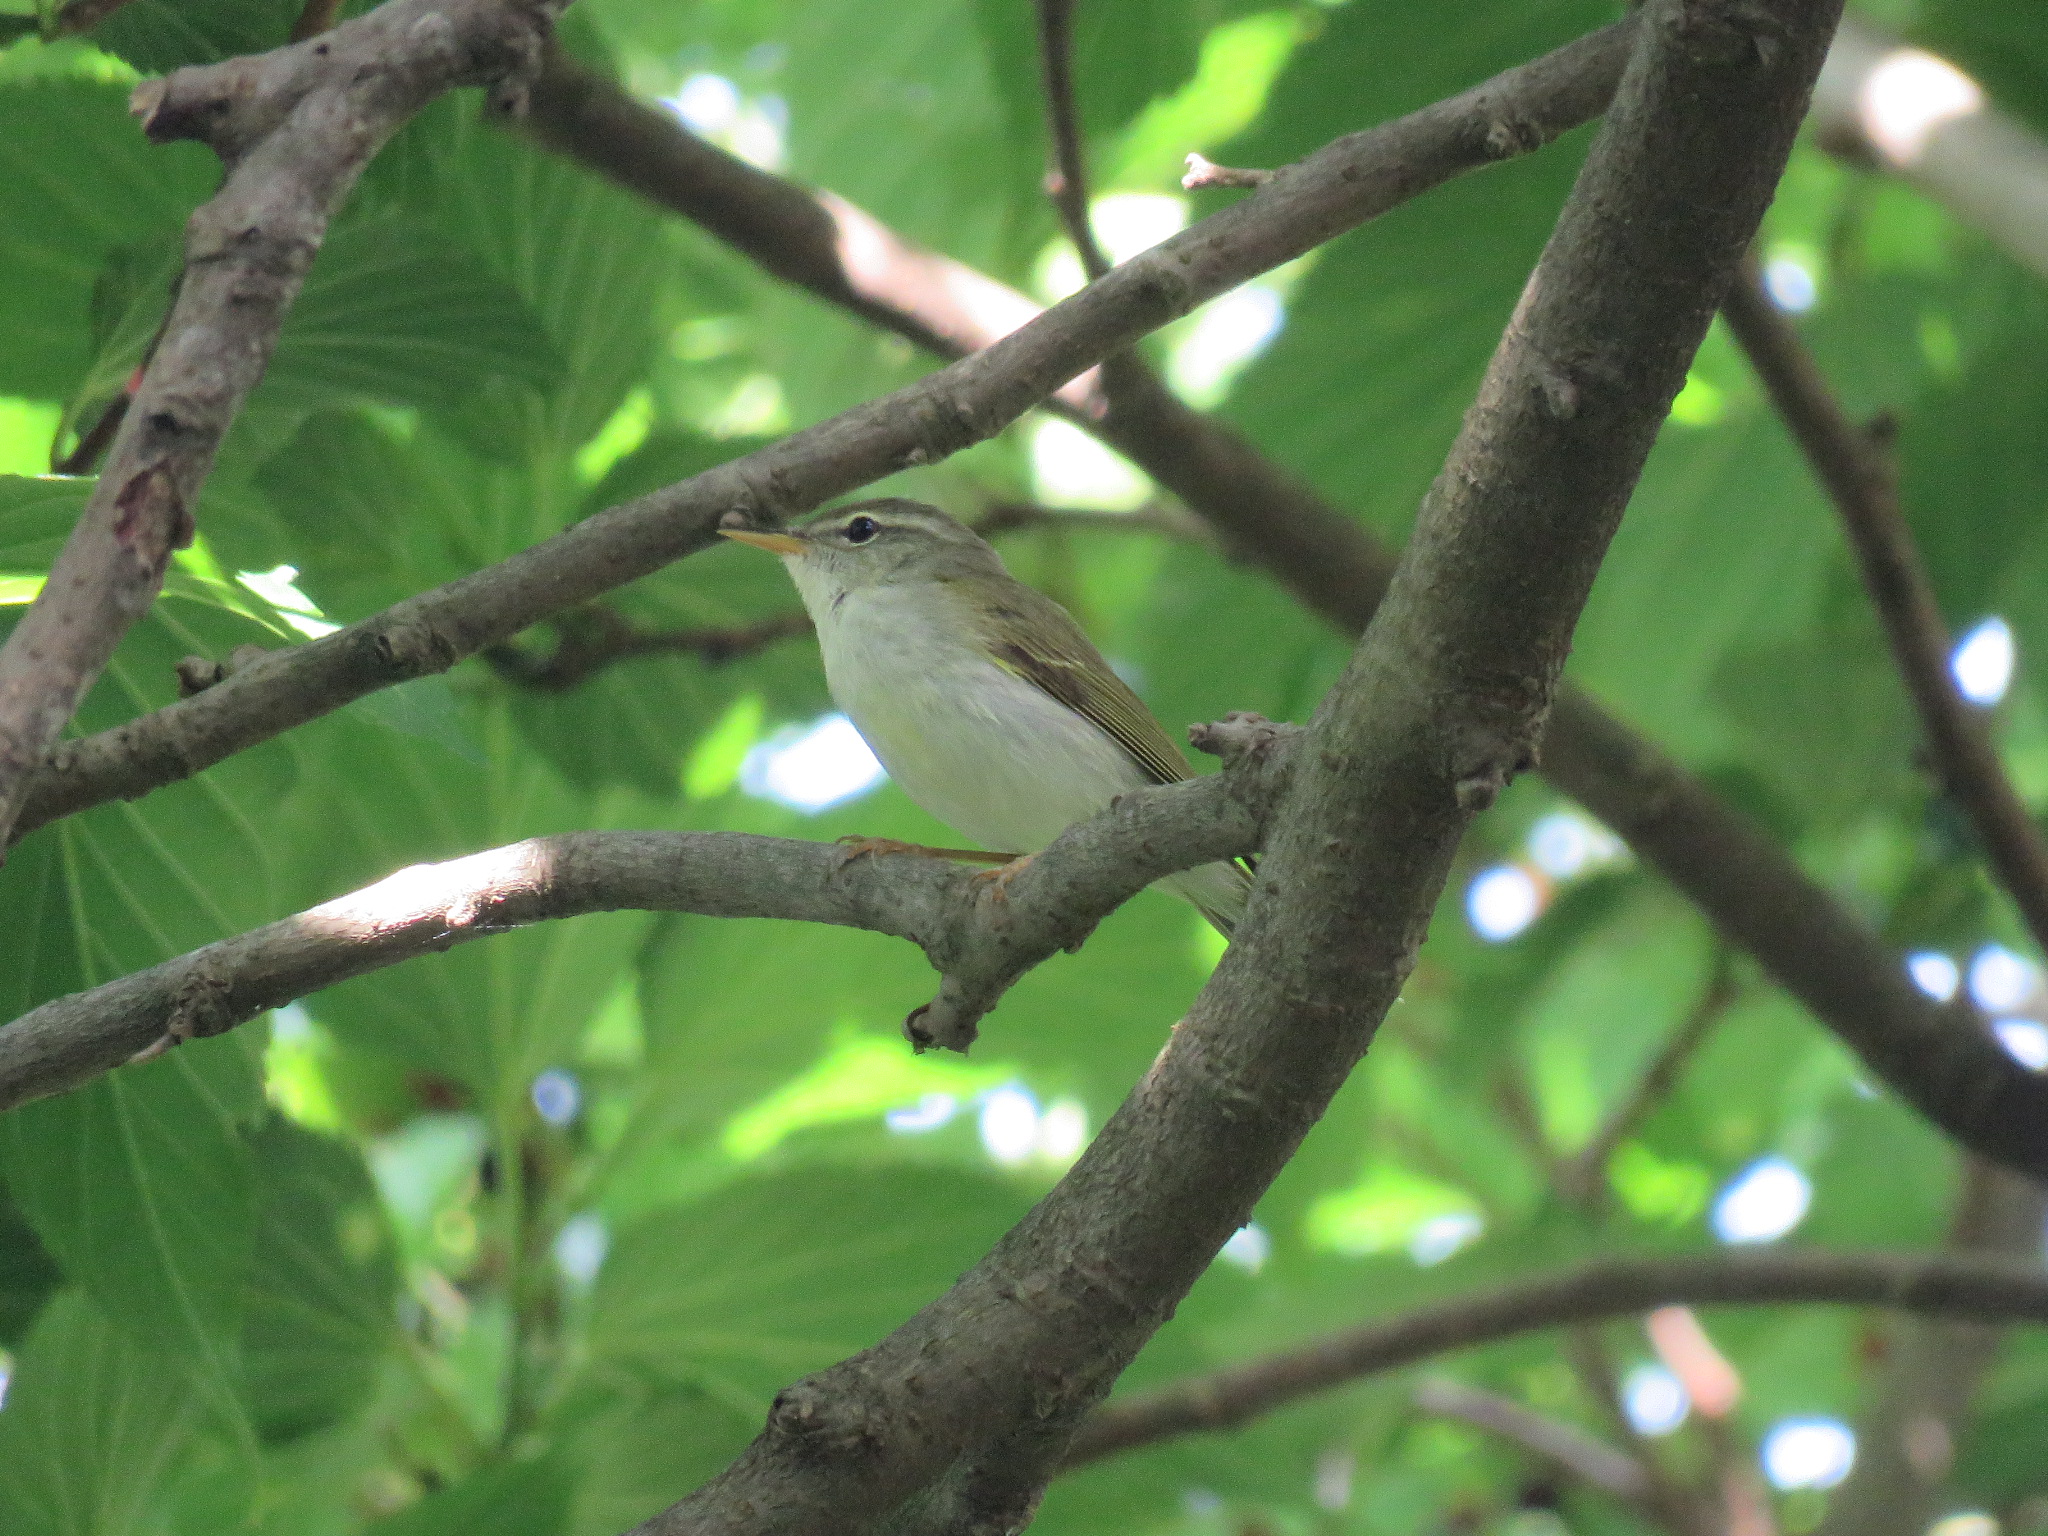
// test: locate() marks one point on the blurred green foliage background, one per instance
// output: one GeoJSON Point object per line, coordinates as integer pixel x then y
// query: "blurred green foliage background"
{"type": "Point", "coordinates": [522, 1239]}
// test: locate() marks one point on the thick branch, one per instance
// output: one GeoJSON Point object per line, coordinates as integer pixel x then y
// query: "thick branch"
{"type": "Point", "coordinates": [1855, 467]}
{"type": "Point", "coordinates": [294, 128]}
{"type": "Point", "coordinates": [967, 1407]}
{"type": "Point", "coordinates": [1946, 1064]}
{"type": "Point", "coordinates": [1919, 117]}
{"type": "Point", "coordinates": [1343, 184]}
{"type": "Point", "coordinates": [1943, 1285]}
{"type": "Point", "coordinates": [979, 945]}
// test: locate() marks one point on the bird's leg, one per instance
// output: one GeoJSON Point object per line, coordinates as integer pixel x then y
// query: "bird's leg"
{"type": "Point", "coordinates": [999, 879]}
{"type": "Point", "coordinates": [868, 847]}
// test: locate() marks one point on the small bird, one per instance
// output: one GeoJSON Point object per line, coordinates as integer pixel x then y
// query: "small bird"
{"type": "Point", "coordinates": [982, 697]}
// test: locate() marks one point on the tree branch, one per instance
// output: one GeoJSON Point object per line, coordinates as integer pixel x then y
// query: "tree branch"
{"type": "Point", "coordinates": [1341, 185]}
{"type": "Point", "coordinates": [1854, 467]}
{"type": "Point", "coordinates": [1923, 120]}
{"type": "Point", "coordinates": [1945, 1063]}
{"type": "Point", "coordinates": [1067, 182]}
{"type": "Point", "coordinates": [294, 128]}
{"type": "Point", "coordinates": [967, 1408]}
{"type": "Point", "coordinates": [591, 639]}
{"type": "Point", "coordinates": [1935, 1285]}
{"type": "Point", "coordinates": [979, 945]}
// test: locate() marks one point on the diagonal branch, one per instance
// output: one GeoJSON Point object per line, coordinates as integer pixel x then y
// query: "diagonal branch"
{"type": "Point", "coordinates": [980, 945]}
{"type": "Point", "coordinates": [1854, 466]}
{"type": "Point", "coordinates": [294, 129]}
{"type": "Point", "coordinates": [955, 1421]}
{"type": "Point", "coordinates": [591, 639]}
{"type": "Point", "coordinates": [1924, 121]}
{"type": "Point", "coordinates": [1934, 1285]}
{"type": "Point", "coordinates": [1945, 1063]}
{"type": "Point", "coordinates": [1345, 183]}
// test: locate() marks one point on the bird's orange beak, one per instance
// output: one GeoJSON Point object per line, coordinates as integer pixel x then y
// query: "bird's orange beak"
{"type": "Point", "coordinates": [774, 543]}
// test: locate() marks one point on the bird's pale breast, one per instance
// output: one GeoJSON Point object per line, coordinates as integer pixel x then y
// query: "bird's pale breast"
{"type": "Point", "coordinates": [978, 747]}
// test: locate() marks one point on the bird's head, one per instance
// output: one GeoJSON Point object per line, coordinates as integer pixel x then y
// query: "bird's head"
{"type": "Point", "coordinates": [890, 542]}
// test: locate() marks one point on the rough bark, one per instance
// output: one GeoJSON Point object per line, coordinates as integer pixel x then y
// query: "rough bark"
{"type": "Point", "coordinates": [979, 945]}
{"type": "Point", "coordinates": [1943, 1061]}
{"type": "Point", "coordinates": [1340, 186]}
{"type": "Point", "coordinates": [294, 128]}
{"type": "Point", "coordinates": [953, 1421]}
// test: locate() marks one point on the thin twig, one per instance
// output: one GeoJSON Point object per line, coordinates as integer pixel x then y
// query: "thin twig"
{"type": "Point", "coordinates": [1067, 182]}
{"type": "Point", "coordinates": [93, 441]}
{"type": "Point", "coordinates": [590, 639]}
{"type": "Point", "coordinates": [1940, 1285]}
{"type": "Point", "coordinates": [1583, 1177]}
{"type": "Point", "coordinates": [1856, 469]}
{"type": "Point", "coordinates": [1671, 1502]}
{"type": "Point", "coordinates": [1202, 172]}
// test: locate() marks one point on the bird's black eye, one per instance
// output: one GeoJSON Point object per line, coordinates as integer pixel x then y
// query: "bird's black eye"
{"type": "Point", "coordinates": [860, 529]}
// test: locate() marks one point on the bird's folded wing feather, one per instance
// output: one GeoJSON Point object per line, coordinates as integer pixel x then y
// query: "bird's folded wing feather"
{"type": "Point", "coordinates": [1064, 663]}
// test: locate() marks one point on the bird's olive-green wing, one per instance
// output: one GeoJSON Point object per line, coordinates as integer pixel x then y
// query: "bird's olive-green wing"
{"type": "Point", "coordinates": [1031, 635]}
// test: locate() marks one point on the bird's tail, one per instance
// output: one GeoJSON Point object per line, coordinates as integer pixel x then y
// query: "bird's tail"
{"type": "Point", "coordinates": [1217, 891]}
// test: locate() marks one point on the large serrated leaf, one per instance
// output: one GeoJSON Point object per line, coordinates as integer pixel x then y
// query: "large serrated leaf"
{"type": "Point", "coordinates": [394, 312]}
{"type": "Point", "coordinates": [77, 182]}
{"type": "Point", "coordinates": [141, 1187]}
{"type": "Point", "coordinates": [752, 1287]}
{"type": "Point", "coordinates": [320, 1309]}
{"type": "Point", "coordinates": [487, 1015]}
{"type": "Point", "coordinates": [158, 36]}
{"type": "Point", "coordinates": [92, 1429]}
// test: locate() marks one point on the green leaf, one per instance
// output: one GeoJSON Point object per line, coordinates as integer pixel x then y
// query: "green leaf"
{"type": "Point", "coordinates": [322, 1287]}
{"type": "Point", "coordinates": [37, 513]}
{"type": "Point", "coordinates": [928, 79]}
{"type": "Point", "coordinates": [594, 265]}
{"type": "Point", "coordinates": [645, 1451]}
{"type": "Point", "coordinates": [786, 1274]}
{"type": "Point", "coordinates": [142, 1189]}
{"type": "Point", "coordinates": [158, 36]}
{"type": "Point", "coordinates": [27, 1274]}
{"type": "Point", "coordinates": [92, 1430]}
{"type": "Point", "coordinates": [508, 1498]}
{"type": "Point", "coordinates": [1391, 329]}
{"type": "Point", "coordinates": [487, 1015]}
{"type": "Point", "coordinates": [394, 312]}
{"type": "Point", "coordinates": [77, 182]}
